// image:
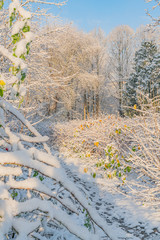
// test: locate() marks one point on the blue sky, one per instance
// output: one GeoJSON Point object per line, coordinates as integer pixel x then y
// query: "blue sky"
{"type": "Point", "coordinates": [107, 14]}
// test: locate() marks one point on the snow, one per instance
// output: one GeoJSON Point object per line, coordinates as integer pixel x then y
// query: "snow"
{"type": "Point", "coordinates": [38, 188]}
{"type": "Point", "coordinates": [123, 207]}
{"type": "Point", "coordinates": [17, 27]}
{"type": "Point", "coordinates": [2, 117]}
{"type": "Point", "coordinates": [16, 4]}
{"type": "Point", "coordinates": [51, 167]}
{"type": "Point", "coordinates": [19, 224]}
{"type": "Point", "coordinates": [24, 158]}
{"type": "Point", "coordinates": [29, 36]}
{"type": "Point", "coordinates": [4, 171]}
{"type": "Point", "coordinates": [17, 61]}
{"type": "Point", "coordinates": [21, 45]}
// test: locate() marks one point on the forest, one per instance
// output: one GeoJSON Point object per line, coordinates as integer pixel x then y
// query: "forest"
{"type": "Point", "coordinates": [79, 127]}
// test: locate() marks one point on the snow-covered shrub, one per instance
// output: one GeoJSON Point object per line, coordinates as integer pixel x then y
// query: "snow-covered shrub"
{"type": "Point", "coordinates": [122, 148]}
{"type": "Point", "coordinates": [145, 153]}
{"type": "Point", "coordinates": [96, 143]}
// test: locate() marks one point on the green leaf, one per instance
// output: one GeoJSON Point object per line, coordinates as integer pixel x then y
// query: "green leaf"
{"type": "Point", "coordinates": [28, 48]}
{"type": "Point", "coordinates": [134, 149]}
{"type": "Point", "coordinates": [26, 29]}
{"type": "Point", "coordinates": [20, 102]}
{"type": "Point", "coordinates": [1, 92]}
{"type": "Point", "coordinates": [109, 149]}
{"type": "Point", "coordinates": [109, 165]}
{"type": "Point", "coordinates": [41, 178]}
{"type": "Point", "coordinates": [14, 55]}
{"type": "Point", "coordinates": [94, 175]}
{"type": "Point", "coordinates": [12, 17]}
{"type": "Point", "coordinates": [1, 4]}
{"type": "Point", "coordinates": [128, 169]}
{"type": "Point", "coordinates": [14, 194]}
{"type": "Point", "coordinates": [23, 76]}
{"type": "Point", "coordinates": [120, 174]}
{"type": "Point", "coordinates": [35, 174]}
{"type": "Point", "coordinates": [22, 57]}
{"type": "Point", "coordinates": [16, 37]}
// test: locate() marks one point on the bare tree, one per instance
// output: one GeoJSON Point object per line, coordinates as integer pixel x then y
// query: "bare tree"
{"type": "Point", "coordinates": [120, 51]}
{"type": "Point", "coordinates": [155, 19]}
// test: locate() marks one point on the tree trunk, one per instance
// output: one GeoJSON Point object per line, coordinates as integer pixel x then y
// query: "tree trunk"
{"type": "Point", "coordinates": [85, 105]}
{"type": "Point", "coordinates": [97, 104]}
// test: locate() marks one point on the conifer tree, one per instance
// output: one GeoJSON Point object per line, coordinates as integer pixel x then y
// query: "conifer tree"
{"type": "Point", "coordinates": [145, 78]}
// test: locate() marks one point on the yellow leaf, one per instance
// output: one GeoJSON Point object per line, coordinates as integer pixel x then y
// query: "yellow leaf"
{"type": "Point", "coordinates": [106, 166]}
{"type": "Point", "coordinates": [125, 126]}
{"type": "Point", "coordinates": [83, 141]}
{"type": "Point", "coordinates": [109, 175]}
{"type": "Point", "coordinates": [2, 83]}
{"type": "Point", "coordinates": [88, 155]}
{"type": "Point", "coordinates": [85, 170]}
{"type": "Point", "coordinates": [135, 106]}
{"type": "Point", "coordinates": [96, 143]}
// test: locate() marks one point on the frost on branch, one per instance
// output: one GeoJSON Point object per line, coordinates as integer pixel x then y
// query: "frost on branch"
{"type": "Point", "coordinates": [19, 21]}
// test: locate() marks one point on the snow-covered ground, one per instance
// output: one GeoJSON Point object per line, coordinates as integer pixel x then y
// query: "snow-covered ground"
{"type": "Point", "coordinates": [126, 219]}
{"type": "Point", "coordinates": [57, 190]}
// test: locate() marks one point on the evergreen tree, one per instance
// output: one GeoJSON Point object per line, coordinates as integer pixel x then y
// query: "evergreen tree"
{"type": "Point", "coordinates": [155, 76]}
{"type": "Point", "coordinates": [145, 77]}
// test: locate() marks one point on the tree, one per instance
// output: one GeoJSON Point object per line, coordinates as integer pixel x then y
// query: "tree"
{"type": "Point", "coordinates": [146, 34]}
{"type": "Point", "coordinates": [120, 51]}
{"type": "Point", "coordinates": [155, 20]}
{"type": "Point", "coordinates": [145, 78]}
{"type": "Point", "coordinates": [70, 71]}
